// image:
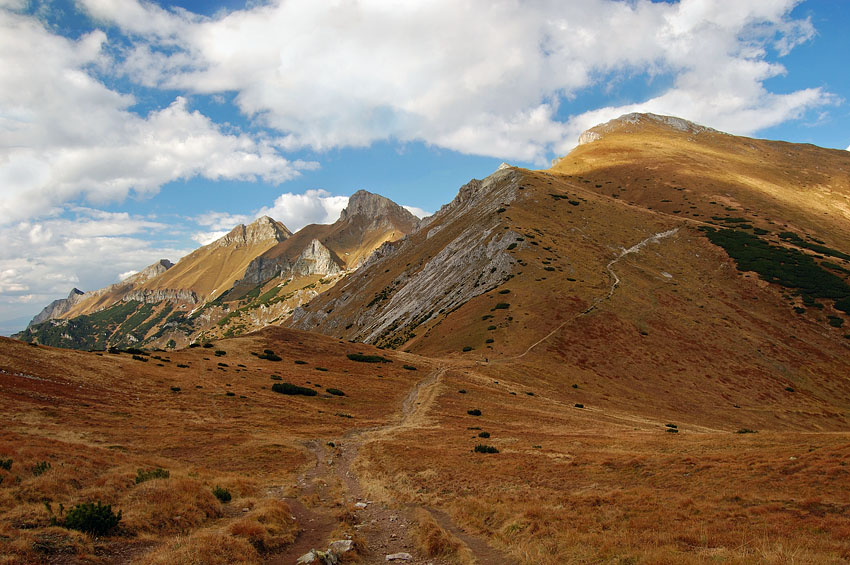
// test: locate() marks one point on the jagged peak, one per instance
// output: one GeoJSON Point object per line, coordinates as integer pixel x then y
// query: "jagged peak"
{"type": "Point", "coordinates": [374, 206]}
{"type": "Point", "coordinates": [263, 228]}
{"type": "Point", "coordinates": [75, 292]}
{"type": "Point", "coordinates": [628, 122]}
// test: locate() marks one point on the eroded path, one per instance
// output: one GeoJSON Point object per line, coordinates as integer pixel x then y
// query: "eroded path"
{"type": "Point", "coordinates": [331, 502]}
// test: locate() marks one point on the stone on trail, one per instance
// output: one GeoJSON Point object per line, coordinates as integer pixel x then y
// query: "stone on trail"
{"type": "Point", "coordinates": [399, 557]}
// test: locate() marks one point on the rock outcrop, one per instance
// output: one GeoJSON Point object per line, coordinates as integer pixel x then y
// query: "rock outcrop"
{"type": "Point", "coordinates": [627, 122]}
{"type": "Point", "coordinates": [58, 307]}
{"type": "Point", "coordinates": [260, 230]}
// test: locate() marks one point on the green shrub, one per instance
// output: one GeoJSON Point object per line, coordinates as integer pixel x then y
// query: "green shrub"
{"type": "Point", "coordinates": [335, 391]}
{"type": "Point", "coordinates": [491, 328]}
{"type": "Point", "coordinates": [270, 356]}
{"type": "Point", "coordinates": [789, 389]}
{"type": "Point", "coordinates": [673, 430]}
{"type": "Point", "coordinates": [5, 464]}
{"type": "Point", "coordinates": [484, 434]}
{"type": "Point", "coordinates": [462, 391]}
{"type": "Point", "coordinates": [578, 405]}
{"type": "Point", "coordinates": [504, 291]}
{"type": "Point", "coordinates": [359, 357]}
{"type": "Point", "coordinates": [835, 321]}
{"type": "Point", "coordinates": [291, 389]}
{"type": "Point", "coordinates": [143, 475]}
{"type": "Point", "coordinates": [228, 393]}
{"type": "Point", "coordinates": [672, 426]}
{"type": "Point", "coordinates": [501, 306]}
{"type": "Point", "coordinates": [489, 340]}
{"type": "Point", "coordinates": [276, 378]}
{"type": "Point", "coordinates": [140, 358]}
{"type": "Point", "coordinates": [323, 369]}
{"type": "Point", "coordinates": [511, 246]}
{"type": "Point", "coordinates": [219, 352]}
{"type": "Point", "coordinates": [408, 367]}
{"type": "Point", "coordinates": [467, 348]}
{"type": "Point", "coordinates": [222, 494]}
{"type": "Point", "coordinates": [175, 389]}
{"type": "Point", "coordinates": [92, 518]}
{"type": "Point", "coordinates": [481, 448]}
{"type": "Point", "coordinates": [40, 468]}
{"type": "Point", "coordinates": [746, 431]}
{"type": "Point", "coordinates": [474, 412]}
{"type": "Point", "coordinates": [207, 345]}
{"type": "Point", "coordinates": [194, 345]}
{"type": "Point", "coordinates": [299, 362]}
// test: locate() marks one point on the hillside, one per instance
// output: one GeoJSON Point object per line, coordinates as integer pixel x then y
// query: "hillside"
{"type": "Point", "coordinates": [617, 279]}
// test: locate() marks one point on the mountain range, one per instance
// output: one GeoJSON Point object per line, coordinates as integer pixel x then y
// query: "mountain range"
{"type": "Point", "coordinates": [640, 354]}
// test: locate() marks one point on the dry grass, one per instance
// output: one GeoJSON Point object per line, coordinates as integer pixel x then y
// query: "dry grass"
{"type": "Point", "coordinates": [206, 547]}
{"type": "Point", "coordinates": [98, 419]}
{"type": "Point", "coordinates": [434, 541]}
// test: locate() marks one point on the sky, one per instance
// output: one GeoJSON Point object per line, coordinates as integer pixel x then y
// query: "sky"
{"type": "Point", "coordinates": [134, 130]}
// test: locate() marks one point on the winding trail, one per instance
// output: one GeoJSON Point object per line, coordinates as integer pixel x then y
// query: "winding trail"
{"type": "Point", "coordinates": [654, 238]}
{"type": "Point", "coordinates": [333, 486]}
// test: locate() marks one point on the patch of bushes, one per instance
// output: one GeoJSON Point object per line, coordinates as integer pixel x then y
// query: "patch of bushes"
{"type": "Point", "coordinates": [835, 321]}
{"type": "Point", "coordinates": [335, 391]}
{"type": "Point", "coordinates": [291, 389]}
{"type": "Point", "coordinates": [474, 412]}
{"type": "Point", "coordinates": [40, 468]}
{"type": "Point", "coordinates": [270, 355]}
{"type": "Point", "coordinates": [361, 358]}
{"type": "Point", "coordinates": [484, 434]}
{"type": "Point", "coordinates": [222, 494]}
{"type": "Point", "coordinates": [140, 358]}
{"type": "Point", "coordinates": [143, 475]}
{"type": "Point", "coordinates": [481, 448]}
{"type": "Point", "coordinates": [92, 518]}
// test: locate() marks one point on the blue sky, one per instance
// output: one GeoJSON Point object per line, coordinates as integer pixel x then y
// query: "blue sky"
{"type": "Point", "coordinates": [132, 131]}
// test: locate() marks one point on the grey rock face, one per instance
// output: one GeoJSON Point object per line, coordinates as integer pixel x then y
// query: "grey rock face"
{"type": "Point", "coordinates": [375, 207]}
{"type": "Point", "coordinates": [58, 307]}
{"type": "Point", "coordinates": [471, 261]}
{"type": "Point", "coordinates": [177, 296]}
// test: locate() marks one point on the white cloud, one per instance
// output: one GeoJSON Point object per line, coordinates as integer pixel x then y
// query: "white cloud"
{"type": "Point", "coordinates": [41, 261]}
{"type": "Point", "coordinates": [418, 212]}
{"type": "Point", "coordinates": [475, 76]}
{"type": "Point", "coordinates": [65, 134]}
{"type": "Point", "coordinates": [127, 274]}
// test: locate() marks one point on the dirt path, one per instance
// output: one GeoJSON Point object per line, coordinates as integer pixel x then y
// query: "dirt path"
{"type": "Point", "coordinates": [335, 490]}
{"type": "Point", "coordinates": [615, 282]}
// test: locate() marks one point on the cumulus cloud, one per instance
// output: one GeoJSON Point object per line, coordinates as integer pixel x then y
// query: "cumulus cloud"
{"type": "Point", "coordinates": [475, 76]}
{"type": "Point", "coordinates": [86, 248]}
{"type": "Point", "coordinates": [66, 135]}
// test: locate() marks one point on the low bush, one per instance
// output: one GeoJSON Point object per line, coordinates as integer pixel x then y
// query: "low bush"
{"type": "Point", "coordinates": [219, 352]}
{"type": "Point", "coordinates": [40, 468]}
{"type": "Point", "coordinates": [276, 378]}
{"type": "Point", "coordinates": [361, 358]}
{"type": "Point", "coordinates": [323, 369]}
{"type": "Point", "coordinates": [270, 356]}
{"type": "Point", "coordinates": [671, 426]}
{"type": "Point", "coordinates": [222, 494]}
{"type": "Point", "coordinates": [335, 392]}
{"type": "Point", "coordinates": [467, 348]}
{"type": "Point", "coordinates": [175, 389]}
{"type": "Point", "coordinates": [143, 475]}
{"type": "Point", "coordinates": [409, 367]}
{"type": "Point", "coordinates": [489, 340]}
{"type": "Point", "coordinates": [481, 448]}
{"type": "Point", "coordinates": [299, 362]}
{"type": "Point", "coordinates": [501, 306]}
{"type": "Point", "coordinates": [579, 405]}
{"type": "Point", "coordinates": [462, 391]}
{"type": "Point", "coordinates": [291, 389]}
{"type": "Point", "coordinates": [474, 412]}
{"type": "Point", "coordinates": [746, 431]}
{"type": "Point", "coordinates": [92, 518]}
{"type": "Point", "coordinates": [5, 464]}
{"type": "Point", "coordinates": [208, 345]}
{"type": "Point", "coordinates": [484, 434]}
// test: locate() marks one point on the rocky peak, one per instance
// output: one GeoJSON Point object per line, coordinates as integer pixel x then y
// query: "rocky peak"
{"type": "Point", "coordinates": [374, 207]}
{"type": "Point", "coordinates": [634, 121]}
{"type": "Point", "coordinates": [149, 272]}
{"type": "Point", "coordinates": [261, 229]}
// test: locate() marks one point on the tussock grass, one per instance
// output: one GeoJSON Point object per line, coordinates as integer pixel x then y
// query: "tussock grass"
{"type": "Point", "coordinates": [435, 541]}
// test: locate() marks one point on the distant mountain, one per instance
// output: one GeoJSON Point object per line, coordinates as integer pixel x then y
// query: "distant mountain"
{"type": "Point", "coordinates": [207, 291]}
